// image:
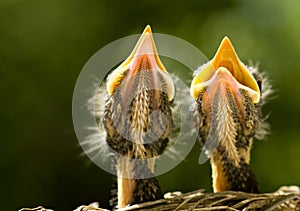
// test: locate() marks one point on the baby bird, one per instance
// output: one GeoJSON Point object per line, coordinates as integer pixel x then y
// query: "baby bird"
{"type": "Point", "coordinates": [138, 120]}
{"type": "Point", "coordinates": [228, 97]}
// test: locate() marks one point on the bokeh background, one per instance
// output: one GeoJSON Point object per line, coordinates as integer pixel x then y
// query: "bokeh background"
{"type": "Point", "coordinates": [45, 44]}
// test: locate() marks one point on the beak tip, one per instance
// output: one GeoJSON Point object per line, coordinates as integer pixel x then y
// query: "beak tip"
{"type": "Point", "coordinates": [226, 43]}
{"type": "Point", "coordinates": [145, 44]}
{"type": "Point", "coordinates": [147, 29]}
{"type": "Point", "coordinates": [226, 38]}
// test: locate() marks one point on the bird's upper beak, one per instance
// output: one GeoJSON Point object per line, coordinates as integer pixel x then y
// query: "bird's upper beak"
{"type": "Point", "coordinates": [225, 69]}
{"type": "Point", "coordinates": [144, 57]}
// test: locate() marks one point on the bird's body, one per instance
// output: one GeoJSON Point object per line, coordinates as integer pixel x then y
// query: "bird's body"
{"type": "Point", "coordinates": [234, 132]}
{"type": "Point", "coordinates": [228, 101]}
{"type": "Point", "coordinates": [138, 120]}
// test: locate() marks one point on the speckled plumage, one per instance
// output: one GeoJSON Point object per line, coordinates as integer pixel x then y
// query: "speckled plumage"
{"type": "Point", "coordinates": [232, 151]}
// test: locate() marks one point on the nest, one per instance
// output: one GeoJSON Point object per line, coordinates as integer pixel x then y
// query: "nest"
{"type": "Point", "coordinates": [286, 198]}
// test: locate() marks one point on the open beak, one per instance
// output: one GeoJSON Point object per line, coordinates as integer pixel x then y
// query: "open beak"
{"type": "Point", "coordinates": [144, 58]}
{"type": "Point", "coordinates": [225, 70]}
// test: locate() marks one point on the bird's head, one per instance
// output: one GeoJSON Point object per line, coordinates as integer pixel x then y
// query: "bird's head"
{"type": "Point", "coordinates": [142, 69]}
{"type": "Point", "coordinates": [226, 71]}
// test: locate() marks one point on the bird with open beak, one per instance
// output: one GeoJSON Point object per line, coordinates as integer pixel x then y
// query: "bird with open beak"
{"type": "Point", "coordinates": [228, 97]}
{"type": "Point", "coordinates": [138, 120]}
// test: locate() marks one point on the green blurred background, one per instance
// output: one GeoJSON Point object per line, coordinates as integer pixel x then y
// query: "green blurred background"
{"type": "Point", "coordinates": [44, 45]}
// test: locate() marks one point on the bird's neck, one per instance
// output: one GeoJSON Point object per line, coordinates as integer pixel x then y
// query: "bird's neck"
{"type": "Point", "coordinates": [126, 183]}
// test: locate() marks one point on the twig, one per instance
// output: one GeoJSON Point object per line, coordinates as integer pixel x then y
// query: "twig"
{"type": "Point", "coordinates": [40, 208]}
{"type": "Point", "coordinates": [277, 203]}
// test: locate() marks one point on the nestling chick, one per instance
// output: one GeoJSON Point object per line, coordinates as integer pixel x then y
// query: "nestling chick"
{"type": "Point", "coordinates": [138, 120]}
{"type": "Point", "coordinates": [228, 97]}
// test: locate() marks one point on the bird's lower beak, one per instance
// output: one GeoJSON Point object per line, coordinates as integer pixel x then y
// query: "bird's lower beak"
{"type": "Point", "coordinates": [142, 66]}
{"type": "Point", "coordinates": [227, 70]}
